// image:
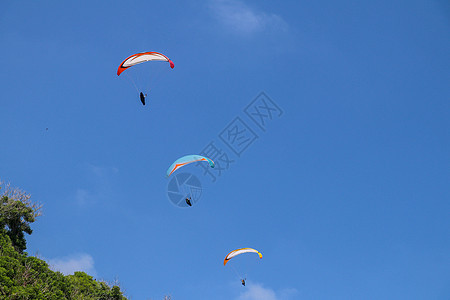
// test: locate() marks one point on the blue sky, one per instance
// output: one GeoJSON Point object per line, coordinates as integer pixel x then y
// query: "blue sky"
{"type": "Point", "coordinates": [346, 193]}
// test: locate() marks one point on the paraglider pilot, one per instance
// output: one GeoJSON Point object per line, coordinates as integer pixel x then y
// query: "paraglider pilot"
{"type": "Point", "coordinates": [243, 281]}
{"type": "Point", "coordinates": [188, 201]}
{"type": "Point", "coordinates": [142, 96]}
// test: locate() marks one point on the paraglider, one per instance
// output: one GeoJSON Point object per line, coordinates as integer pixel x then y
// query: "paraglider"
{"type": "Point", "coordinates": [139, 58]}
{"type": "Point", "coordinates": [237, 252]}
{"type": "Point", "coordinates": [187, 160]}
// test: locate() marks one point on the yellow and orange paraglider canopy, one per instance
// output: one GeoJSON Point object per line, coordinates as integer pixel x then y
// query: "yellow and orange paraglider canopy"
{"type": "Point", "coordinates": [238, 252]}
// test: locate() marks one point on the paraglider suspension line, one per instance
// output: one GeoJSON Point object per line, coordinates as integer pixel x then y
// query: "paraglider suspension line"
{"type": "Point", "coordinates": [134, 83]}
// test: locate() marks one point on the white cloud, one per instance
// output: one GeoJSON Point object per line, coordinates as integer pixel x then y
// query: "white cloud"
{"type": "Point", "coordinates": [102, 172]}
{"type": "Point", "coordinates": [81, 196]}
{"type": "Point", "coordinates": [70, 264]}
{"type": "Point", "coordinates": [258, 292]}
{"type": "Point", "coordinates": [289, 293]}
{"type": "Point", "coordinates": [240, 18]}
{"type": "Point", "coordinates": [100, 182]}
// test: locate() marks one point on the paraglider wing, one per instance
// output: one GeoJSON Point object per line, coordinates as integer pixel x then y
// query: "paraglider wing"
{"type": "Point", "coordinates": [187, 160]}
{"type": "Point", "coordinates": [240, 251]}
{"type": "Point", "coordinates": [142, 57]}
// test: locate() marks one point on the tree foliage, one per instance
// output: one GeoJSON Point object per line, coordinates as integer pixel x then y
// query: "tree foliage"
{"type": "Point", "coordinates": [27, 277]}
{"type": "Point", "coordinates": [17, 212]}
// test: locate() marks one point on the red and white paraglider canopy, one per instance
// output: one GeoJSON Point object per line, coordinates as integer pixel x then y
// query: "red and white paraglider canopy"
{"type": "Point", "coordinates": [143, 57]}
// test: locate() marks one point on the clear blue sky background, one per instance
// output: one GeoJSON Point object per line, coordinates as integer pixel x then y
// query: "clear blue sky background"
{"type": "Point", "coordinates": [346, 194]}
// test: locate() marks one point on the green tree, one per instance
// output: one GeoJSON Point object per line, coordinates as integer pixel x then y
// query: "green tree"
{"type": "Point", "coordinates": [24, 277]}
{"type": "Point", "coordinates": [17, 212]}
